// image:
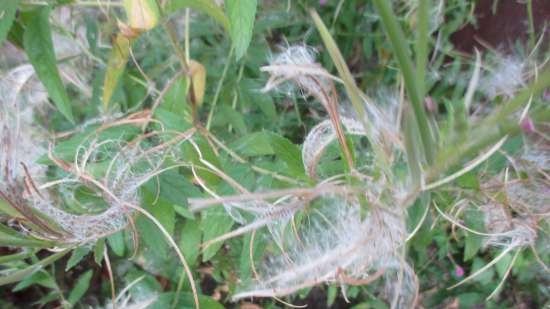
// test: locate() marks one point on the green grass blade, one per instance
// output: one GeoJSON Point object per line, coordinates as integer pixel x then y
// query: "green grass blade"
{"type": "Point", "coordinates": [421, 46]}
{"type": "Point", "coordinates": [22, 273]}
{"type": "Point", "coordinates": [352, 90]}
{"type": "Point", "coordinates": [401, 50]}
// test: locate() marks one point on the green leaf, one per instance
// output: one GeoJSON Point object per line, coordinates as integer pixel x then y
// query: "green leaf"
{"type": "Point", "coordinates": [21, 274]}
{"type": "Point", "coordinates": [7, 15]}
{"type": "Point", "coordinates": [41, 278]}
{"type": "Point", "coordinates": [486, 276]}
{"type": "Point", "coordinates": [269, 143]}
{"type": "Point", "coordinates": [190, 240]}
{"type": "Point", "coordinates": [474, 220]}
{"type": "Point", "coordinates": [15, 257]}
{"type": "Point", "coordinates": [206, 6]}
{"type": "Point", "coordinates": [9, 237]}
{"type": "Point", "coordinates": [98, 251]}
{"type": "Point", "coordinates": [255, 144]}
{"type": "Point", "coordinates": [115, 67]}
{"type": "Point", "coordinates": [468, 181]}
{"type": "Point", "coordinates": [503, 264]}
{"type": "Point", "coordinates": [161, 209]}
{"type": "Point", "coordinates": [151, 236]}
{"type": "Point", "coordinates": [227, 115]}
{"type": "Point", "coordinates": [78, 254]}
{"type": "Point", "coordinates": [215, 222]}
{"type": "Point", "coordinates": [37, 41]}
{"type": "Point", "coordinates": [174, 188]}
{"type": "Point", "coordinates": [116, 242]}
{"type": "Point", "coordinates": [80, 288]}
{"type": "Point", "coordinates": [242, 14]}
{"type": "Point", "coordinates": [175, 99]}
{"type": "Point", "coordinates": [289, 153]}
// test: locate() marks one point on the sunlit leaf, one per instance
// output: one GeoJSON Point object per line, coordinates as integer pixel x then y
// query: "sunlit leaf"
{"type": "Point", "coordinates": [115, 67]}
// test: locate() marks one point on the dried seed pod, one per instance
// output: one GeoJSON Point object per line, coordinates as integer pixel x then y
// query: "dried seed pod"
{"type": "Point", "coordinates": [142, 15]}
{"type": "Point", "coordinates": [197, 73]}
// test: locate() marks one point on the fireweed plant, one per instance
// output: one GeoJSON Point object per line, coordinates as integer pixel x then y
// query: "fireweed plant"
{"type": "Point", "coordinates": [159, 169]}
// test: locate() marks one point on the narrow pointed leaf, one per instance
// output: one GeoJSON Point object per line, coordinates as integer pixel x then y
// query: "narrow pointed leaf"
{"type": "Point", "coordinates": [37, 41]}
{"type": "Point", "coordinates": [117, 63]}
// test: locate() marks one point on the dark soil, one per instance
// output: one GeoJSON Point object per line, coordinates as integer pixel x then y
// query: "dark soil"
{"type": "Point", "coordinates": [501, 23]}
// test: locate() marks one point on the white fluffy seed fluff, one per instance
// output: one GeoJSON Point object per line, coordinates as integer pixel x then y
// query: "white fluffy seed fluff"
{"type": "Point", "coordinates": [529, 197]}
{"type": "Point", "coordinates": [335, 245]}
{"type": "Point", "coordinates": [320, 137]}
{"type": "Point", "coordinates": [129, 165]}
{"type": "Point", "coordinates": [21, 94]}
{"type": "Point", "coordinates": [507, 231]}
{"type": "Point", "coordinates": [504, 77]}
{"type": "Point", "coordinates": [296, 65]}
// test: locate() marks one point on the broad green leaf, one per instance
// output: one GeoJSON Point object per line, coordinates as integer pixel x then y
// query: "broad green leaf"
{"type": "Point", "coordinates": [242, 14]}
{"type": "Point", "coordinates": [98, 251]}
{"type": "Point", "coordinates": [208, 154]}
{"type": "Point", "coordinates": [190, 240]}
{"type": "Point", "coordinates": [254, 144]}
{"type": "Point", "coordinates": [80, 288]}
{"type": "Point", "coordinates": [66, 150]}
{"type": "Point", "coordinates": [37, 40]}
{"type": "Point", "coordinates": [174, 188]}
{"type": "Point", "coordinates": [7, 15]}
{"type": "Point", "coordinates": [503, 264]}
{"type": "Point", "coordinates": [161, 209]}
{"type": "Point", "coordinates": [116, 242]}
{"type": "Point", "coordinates": [486, 276]}
{"type": "Point", "coordinates": [227, 115]}
{"type": "Point", "coordinates": [78, 254]}
{"type": "Point", "coordinates": [206, 6]}
{"type": "Point", "coordinates": [175, 99]}
{"type": "Point", "coordinates": [115, 67]}
{"type": "Point", "coordinates": [289, 153]}
{"type": "Point", "coordinates": [257, 250]}
{"type": "Point", "coordinates": [152, 237]}
{"type": "Point", "coordinates": [215, 222]}
{"type": "Point", "coordinates": [248, 92]}
{"type": "Point", "coordinates": [474, 220]}
{"type": "Point", "coordinates": [269, 143]}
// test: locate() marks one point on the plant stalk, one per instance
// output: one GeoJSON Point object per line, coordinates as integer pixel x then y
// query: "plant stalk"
{"type": "Point", "coordinates": [401, 50]}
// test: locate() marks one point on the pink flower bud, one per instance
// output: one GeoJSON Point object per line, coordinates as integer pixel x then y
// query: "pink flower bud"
{"type": "Point", "coordinates": [459, 272]}
{"type": "Point", "coordinates": [323, 2]}
{"type": "Point", "coordinates": [429, 103]}
{"type": "Point", "coordinates": [527, 125]}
